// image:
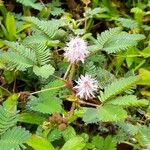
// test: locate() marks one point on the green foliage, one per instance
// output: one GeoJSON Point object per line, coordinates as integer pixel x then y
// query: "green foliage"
{"type": "Point", "coordinates": [49, 28]}
{"type": "Point", "coordinates": [91, 116]}
{"type": "Point", "coordinates": [111, 109]}
{"type": "Point", "coordinates": [144, 137]}
{"type": "Point", "coordinates": [55, 134]}
{"type": "Point", "coordinates": [90, 13]}
{"type": "Point", "coordinates": [101, 143]}
{"type": "Point", "coordinates": [10, 27]}
{"type": "Point", "coordinates": [8, 113]}
{"type": "Point", "coordinates": [114, 40]}
{"type": "Point", "coordinates": [30, 3]}
{"type": "Point", "coordinates": [107, 35]}
{"type": "Point", "coordinates": [107, 113]}
{"type": "Point", "coordinates": [56, 10]}
{"type": "Point", "coordinates": [103, 76]}
{"type": "Point", "coordinates": [111, 113]}
{"type": "Point", "coordinates": [47, 105]}
{"type": "Point", "coordinates": [69, 133]}
{"type": "Point", "coordinates": [128, 23]}
{"type": "Point", "coordinates": [14, 138]}
{"type": "Point", "coordinates": [128, 128]}
{"type": "Point", "coordinates": [31, 118]}
{"type": "Point", "coordinates": [44, 71]}
{"type": "Point", "coordinates": [38, 143]}
{"type": "Point", "coordinates": [118, 87]}
{"type": "Point", "coordinates": [75, 143]}
{"type": "Point", "coordinates": [47, 102]}
{"type": "Point", "coordinates": [21, 57]}
{"type": "Point", "coordinates": [42, 99]}
{"type": "Point", "coordinates": [8, 119]}
{"type": "Point", "coordinates": [128, 101]}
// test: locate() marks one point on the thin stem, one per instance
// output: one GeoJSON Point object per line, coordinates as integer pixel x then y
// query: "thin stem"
{"type": "Point", "coordinates": [87, 103]}
{"type": "Point", "coordinates": [59, 78]}
{"type": "Point", "coordinates": [133, 145]}
{"type": "Point", "coordinates": [49, 89]}
{"type": "Point", "coordinates": [14, 86]}
{"type": "Point", "coordinates": [5, 90]}
{"type": "Point", "coordinates": [72, 70]}
{"type": "Point", "coordinates": [70, 113]}
{"type": "Point", "coordinates": [67, 72]}
{"type": "Point", "coordinates": [42, 3]}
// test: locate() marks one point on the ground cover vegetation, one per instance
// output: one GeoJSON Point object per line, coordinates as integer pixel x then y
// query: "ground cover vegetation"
{"type": "Point", "coordinates": [74, 75]}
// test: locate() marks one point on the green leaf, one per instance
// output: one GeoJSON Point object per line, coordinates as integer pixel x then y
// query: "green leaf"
{"type": "Point", "coordinates": [8, 119]}
{"type": "Point", "coordinates": [51, 84]}
{"type": "Point", "coordinates": [105, 113]}
{"type": "Point", "coordinates": [10, 26]}
{"type": "Point", "coordinates": [49, 28]}
{"type": "Point", "coordinates": [39, 143]}
{"type": "Point", "coordinates": [11, 103]}
{"type": "Point", "coordinates": [104, 144]}
{"type": "Point", "coordinates": [128, 23]}
{"type": "Point", "coordinates": [109, 143]}
{"type": "Point", "coordinates": [110, 113]}
{"type": "Point", "coordinates": [118, 87]}
{"type": "Point", "coordinates": [9, 77]}
{"type": "Point", "coordinates": [69, 133]}
{"type": "Point", "coordinates": [107, 35]}
{"type": "Point", "coordinates": [90, 13]}
{"type": "Point", "coordinates": [145, 77]}
{"type": "Point", "coordinates": [44, 71]}
{"type": "Point", "coordinates": [122, 41]}
{"type": "Point", "coordinates": [114, 40]}
{"type": "Point", "coordinates": [49, 105]}
{"type": "Point", "coordinates": [98, 142]}
{"type": "Point", "coordinates": [55, 134]}
{"type": "Point", "coordinates": [31, 3]}
{"type": "Point", "coordinates": [31, 118]}
{"type": "Point", "coordinates": [144, 137]}
{"type": "Point", "coordinates": [91, 116]}
{"type": "Point", "coordinates": [128, 101]}
{"type": "Point", "coordinates": [128, 128]}
{"type": "Point", "coordinates": [14, 139]}
{"type": "Point", "coordinates": [75, 143]}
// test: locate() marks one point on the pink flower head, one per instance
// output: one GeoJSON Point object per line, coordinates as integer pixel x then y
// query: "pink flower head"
{"type": "Point", "coordinates": [86, 87]}
{"type": "Point", "coordinates": [76, 50]}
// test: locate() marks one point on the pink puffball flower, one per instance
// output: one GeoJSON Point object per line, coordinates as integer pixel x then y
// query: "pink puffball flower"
{"type": "Point", "coordinates": [86, 87]}
{"type": "Point", "coordinates": [76, 50]}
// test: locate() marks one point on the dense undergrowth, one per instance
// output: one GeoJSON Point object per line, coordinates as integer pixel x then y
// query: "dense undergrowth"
{"type": "Point", "coordinates": [74, 75]}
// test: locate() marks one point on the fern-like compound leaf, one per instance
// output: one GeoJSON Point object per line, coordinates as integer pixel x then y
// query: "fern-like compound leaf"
{"type": "Point", "coordinates": [128, 128]}
{"type": "Point", "coordinates": [18, 56]}
{"type": "Point", "coordinates": [14, 139]}
{"type": "Point", "coordinates": [101, 143]}
{"type": "Point", "coordinates": [42, 53]}
{"type": "Point", "coordinates": [106, 113]}
{"type": "Point", "coordinates": [47, 105]}
{"type": "Point", "coordinates": [114, 40]}
{"type": "Point", "coordinates": [110, 113]}
{"type": "Point", "coordinates": [128, 101]}
{"type": "Point", "coordinates": [16, 61]}
{"type": "Point", "coordinates": [91, 116]}
{"type": "Point", "coordinates": [44, 71]}
{"type": "Point", "coordinates": [55, 134]}
{"type": "Point", "coordinates": [47, 27]}
{"type": "Point", "coordinates": [118, 87]}
{"type": "Point", "coordinates": [128, 23]}
{"type": "Point", "coordinates": [122, 41]}
{"type": "Point", "coordinates": [7, 119]}
{"type": "Point", "coordinates": [31, 3]}
{"type": "Point", "coordinates": [107, 35]}
{"type": "Point", "coordinates": [143, 137]}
